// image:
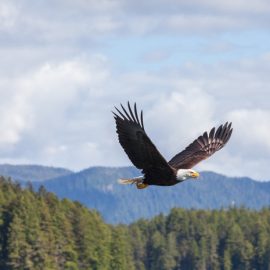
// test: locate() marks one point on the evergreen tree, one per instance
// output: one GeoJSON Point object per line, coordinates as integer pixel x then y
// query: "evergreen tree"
{"type": "Point", "coordinates": [39, 231]}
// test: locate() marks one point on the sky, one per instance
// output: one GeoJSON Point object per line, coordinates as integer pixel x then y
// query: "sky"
{"type": "Point", "coordinates": [190, 65]}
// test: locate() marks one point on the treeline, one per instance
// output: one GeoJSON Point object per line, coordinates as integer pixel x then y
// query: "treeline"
{"type": "Point", "coordinates": [235, 238]}
{"type": "Point", "coordinates": [39, 231]}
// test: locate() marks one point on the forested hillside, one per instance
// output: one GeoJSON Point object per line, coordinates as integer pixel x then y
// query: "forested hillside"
{"type": "Point", "coordinates": [39, 231]}
{"type": "Point", "coordinates": [98, 188]}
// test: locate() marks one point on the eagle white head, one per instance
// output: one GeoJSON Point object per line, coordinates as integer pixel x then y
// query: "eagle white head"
{"type": "Point", "coordinates": [184, 174]}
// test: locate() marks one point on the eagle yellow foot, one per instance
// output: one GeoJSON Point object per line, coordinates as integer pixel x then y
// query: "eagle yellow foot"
{"type": "Point", "coordinates": [141, 185]}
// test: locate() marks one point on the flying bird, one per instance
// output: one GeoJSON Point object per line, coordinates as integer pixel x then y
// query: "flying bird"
{"type": "Point", "coordinates": [146, 157]}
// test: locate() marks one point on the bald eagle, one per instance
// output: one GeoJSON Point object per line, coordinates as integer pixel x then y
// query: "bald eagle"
{"type": "Point", "coordinates": [145, 156]}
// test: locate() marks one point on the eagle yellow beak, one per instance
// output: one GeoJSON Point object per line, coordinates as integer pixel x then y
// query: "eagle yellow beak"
{"type": "Point", "coordinates": [195, 175]}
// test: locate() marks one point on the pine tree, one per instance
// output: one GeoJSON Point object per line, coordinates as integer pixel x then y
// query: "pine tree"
{"type": "Point", "coordinates": [19, 251]}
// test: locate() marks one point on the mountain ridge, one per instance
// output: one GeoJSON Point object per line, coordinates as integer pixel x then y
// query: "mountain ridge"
{"type": "Point", "coordinates": [97, 188]}
{"type": "Point", "coordinates": [32, 172]}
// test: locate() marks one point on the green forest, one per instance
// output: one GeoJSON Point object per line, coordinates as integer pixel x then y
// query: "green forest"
{"type": "Point", "coordinates": [40, 231]}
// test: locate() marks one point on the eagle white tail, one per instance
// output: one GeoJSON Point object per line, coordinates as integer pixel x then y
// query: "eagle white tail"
{"type": "Point", "coordinates": [136, 180]}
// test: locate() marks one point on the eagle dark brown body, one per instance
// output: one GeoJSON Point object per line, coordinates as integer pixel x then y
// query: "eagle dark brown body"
{"type": "Point", "coordinates": [145, 156]}
{"type": "Point", "coordinates": [161, 177]}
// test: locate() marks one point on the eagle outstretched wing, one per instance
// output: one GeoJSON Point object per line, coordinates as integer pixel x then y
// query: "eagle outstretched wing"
{"type": "Point", "coordinates": [202, 148]}
{"type": "Point", "coordinates": [137, 145]}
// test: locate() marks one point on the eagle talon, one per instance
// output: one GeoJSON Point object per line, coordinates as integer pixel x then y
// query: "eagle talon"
{"type": "Point", "coordinates": [141, 185]}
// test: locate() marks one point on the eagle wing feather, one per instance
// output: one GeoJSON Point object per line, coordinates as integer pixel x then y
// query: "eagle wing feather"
{"type": "Point", "coordinates": [135, 142]}
{"type": "Point", "coordinates": [202, 148]}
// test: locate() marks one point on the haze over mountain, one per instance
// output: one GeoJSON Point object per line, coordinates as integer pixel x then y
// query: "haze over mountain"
{"type": "Point", "coordinates": [97, 188]}
{"type": "Point", "coordinates": [24, 173]}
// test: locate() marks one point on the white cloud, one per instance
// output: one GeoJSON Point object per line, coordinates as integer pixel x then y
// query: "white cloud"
{"type": "Point", "coordinates": [180, 105]}
{"type": "Point", "coordinates": [57, 87]}
{"type": "Point", "coordinates": [255, 126]}
{"type": "Point", "coordinates": [59, 113]}
{"type": "Point", "coordinates": [45, 100]}
{"type": "Point", "coordinates": [178, 117]}
{"type": "Point", "coordinates": [8, 14]}
{"type": "Point", "coordinates": [68, 22]}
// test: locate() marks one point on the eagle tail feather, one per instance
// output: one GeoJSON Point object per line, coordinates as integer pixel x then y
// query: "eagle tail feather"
{"type": "Point", "coordinates": [137, 180]}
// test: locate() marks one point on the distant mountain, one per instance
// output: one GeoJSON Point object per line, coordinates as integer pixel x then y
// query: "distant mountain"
{"type": "Point", "coordinates": [97, 188]}
{"type": "Point", "coordinates": [24, 173]}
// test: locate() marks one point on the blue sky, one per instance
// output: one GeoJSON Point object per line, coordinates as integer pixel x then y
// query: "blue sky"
{"type": "Point", "coordinates": [155, 52]}
{"type": "Point", "coordinates": [189, 65]}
